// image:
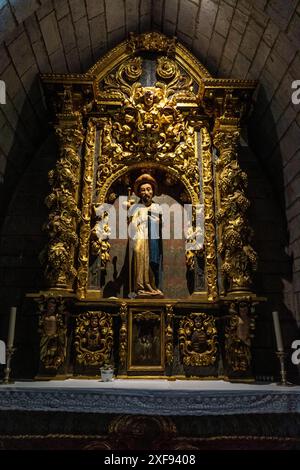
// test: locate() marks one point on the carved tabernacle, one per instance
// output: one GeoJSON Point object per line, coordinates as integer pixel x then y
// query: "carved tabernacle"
{"type": "Point", "coordinates": [148, 129]}
{"type": "Point", "coordinates": [93, 338]}
{"type": "Point", "coordinates": [198, 340]}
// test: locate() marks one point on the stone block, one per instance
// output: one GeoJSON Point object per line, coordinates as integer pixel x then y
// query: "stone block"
{"type": "Point", "coordinates": [225, 67]}
{"type": "Point", "coordinates": [240, 20]}
{"type": "Point", "coordinates": [82, 33]}
{"type": "Point", "coordinates": [4, 59]}
{"type": "Point", "coordinates": [244, 6]}
{"type": "Point", "coordinates": [117, 36]}
{"type": "Point", "coordinates": [292, 168]}
{"type": "Point", "coordinates": [132, 15]}
{"type": "Point", "coordinates": [232, 44]}
{"type": "Point", "coordinates": [216, 47]}
{"type": "Point", "coordinates": [294, 228]}
{"type": "Point", "coordinates": [31, 84]}
{"type": "Point", "coordinates": [169, 28]}
{"type": "Point", "coordinates": [292, 192]}
{"type": "Point", "coordinates": [200, 47]}
{"type": "Point", "coordinates": [23, 10]}
{"type": "Point", "coordinates": [171, 8]}
{"type": "Point", "coordinates": [145, 7]}
{"type": "Point", "coordinates": [33, 29]}
{"type": "Point", "coordinates": [284, 91]}
{"type": "Point", "coordinates": [294, 209]}
{"type": "Point", "coordinates": [21, 54]}
{"type": "Point", "coordinates": [49, 28]}
{"type": "Point", "coordinates": [260, 59]}
{"type": "Point", "coordinates": [293, 30]}
{"type": "Point", "coordinates": [271, 33]}
{"type": "Point", "coordinates": [7, 138]}
{"type": "Point", "coordinates": [58, 61]}
{"type": "Point", "coordinates": [115, 16]}
{"type": "Point", "coordinates": [187, 17]}
{"type": "Point", "coordinates": [78, 9]}
{"type": "Point", "coordinates": [251, 40]}
{"type": "Point", "coordinates": [223, 19]}
{"type": "Point", "coordinates": [12, 35]}
{"type": "Point", "coordinates": [281, 11]}
{"type": "Point", "coordinates": [94, 8]}
{"type": "Point", "coordinates": [285, 48]}
{"type": "Point", "coordinates": [73, 61]}
{"type": "Point", "coordinates": [98, 32]}
{"type": "Point", "coordinates": [19, 100]}
{"type": "Point", "coordinates": [10, 114]}
{"type": "Point", "coordinates": [269, 84]}
{"type": "Point", "coordinates": [206, 20]}
{"type": "Point", "coordinates": [145, 23]}
{"type": "Point", "coordinates": [61, 8]}
{"type": "Point", "coordinates": [67, 33]}
{"type": "Point", "coordinates": [295, 67]}
{"type": "Point", "coordinates": [86, 59]}
{"type": "Point", "coordinates": [259, 16]}
{"type": "Point", "coordinates": [241, 66]}
{"type": "Point", "coordinates": [157, 12]}
{"type": "Point", "coordinates": [187, 41]}
{"type": "Point", "coordinates": [290, 142]}
{"type": "Point", "coordinates": [45, 9]}
{"type": "Point", "coordinates": [7, 22]}
{"type": "Point", "coordinates": [41, 57]}
{"type": "Point", "coordinates": [276, 66]}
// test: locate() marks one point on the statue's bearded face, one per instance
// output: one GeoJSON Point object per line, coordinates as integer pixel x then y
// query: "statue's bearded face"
{"type": "Point", "coordinates": [146, 193]}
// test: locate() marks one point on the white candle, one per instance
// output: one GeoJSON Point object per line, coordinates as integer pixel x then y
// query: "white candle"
{"type": "Point", "coordinates": [11, 327]}
{"type": "Point", "coordinates": [277, 331]}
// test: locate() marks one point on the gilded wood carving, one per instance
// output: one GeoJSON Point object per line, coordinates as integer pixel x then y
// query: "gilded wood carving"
{"type": "Point", "coordinates": [93, 338]}
{"type": "Point", "coordinates": [198, 340]}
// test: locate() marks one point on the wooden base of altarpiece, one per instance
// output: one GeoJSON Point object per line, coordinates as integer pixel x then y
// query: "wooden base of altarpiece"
{"type": "Point", "coordinates": [171, 338]}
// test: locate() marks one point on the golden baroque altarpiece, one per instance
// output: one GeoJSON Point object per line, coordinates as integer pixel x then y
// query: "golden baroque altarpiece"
{"type": "Point", "coordinates": [148, 106]}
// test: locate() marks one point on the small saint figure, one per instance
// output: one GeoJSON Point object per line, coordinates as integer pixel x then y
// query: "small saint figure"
{"type": "Point", "coordinates": [145, 236]}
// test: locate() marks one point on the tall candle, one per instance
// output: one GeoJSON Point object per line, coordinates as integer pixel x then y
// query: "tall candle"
{"type": "Point", "coordinates": [277, 331]}
{"type": "Point", "coordinates": [11, 327]}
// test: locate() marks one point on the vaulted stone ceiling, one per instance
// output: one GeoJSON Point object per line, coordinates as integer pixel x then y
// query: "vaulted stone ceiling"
{"type": "Point", "coordinates": [255, 39]}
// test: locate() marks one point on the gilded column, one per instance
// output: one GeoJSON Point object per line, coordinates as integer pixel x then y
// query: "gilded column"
{"type": "Point", "coordinates": [209, 217]}
{"type": "Point", "coordinates": [169, 331]}
{"type": "Point", "coordinates": [62, 202]}
{"type": "Point", "coordinates": [238, 256]}
{"type": "Point", "coordinates": [87, 190]}
{"type": "Point", "coordinates": [123, 341]}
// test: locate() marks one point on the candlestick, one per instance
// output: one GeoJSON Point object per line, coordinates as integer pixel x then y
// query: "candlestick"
{"type": "Point", "coordinates": [11, 327]}
{"type": "Point", "coordinates": [9, 354]}
{"type": "Point", "coordinates": [277, 331]}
